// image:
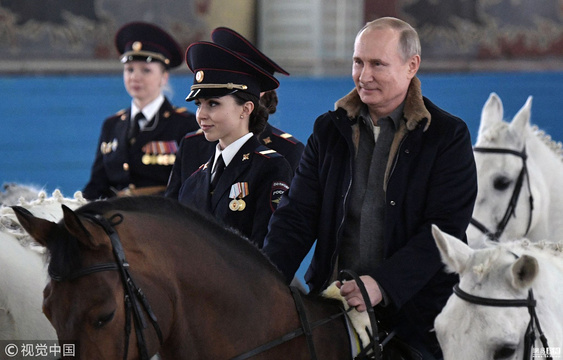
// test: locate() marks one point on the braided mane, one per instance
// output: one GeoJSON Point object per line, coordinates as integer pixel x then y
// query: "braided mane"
{"type": "Point", "coordinates": [9, 223]}
{"type": "Point", "coordinates": [555, 146]}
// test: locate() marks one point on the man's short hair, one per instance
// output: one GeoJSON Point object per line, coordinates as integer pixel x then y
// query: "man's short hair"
{"type": "Point", "coordinates": [409, 42]}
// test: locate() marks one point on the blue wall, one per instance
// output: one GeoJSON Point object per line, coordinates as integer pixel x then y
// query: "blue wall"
{"type": "Point", "coordinates": [50, 125]}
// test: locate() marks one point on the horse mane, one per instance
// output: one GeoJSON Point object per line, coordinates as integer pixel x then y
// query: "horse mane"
{"type": "Point", "coordinates": [495, 130]}
{"type": "Point", "coordinates": [520, 246]}
{"type": "Point", "coordinates": [10, 225]}
{"type": "Point", "coordinates": [172, 209]}
{"type": "Point", "coordinates": [555, 146]}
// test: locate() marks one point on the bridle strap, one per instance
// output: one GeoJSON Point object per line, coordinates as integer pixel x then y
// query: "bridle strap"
{"type": "Point", "coordinates": [529, 303]}
{"type": "Point", "coordinates": [134, 297]}
{"type": "Point", "coordinates": [304, 321]}
{"type": "Point", "coordinates": [374, 336]}
{"type": "Point", "coordinates": [511, 207]}
{"type": "Point", "coordinates": [134, 294]}
{"type": "Point", "coordinates": [289, 336]}
{"type": "Point", "coordinates": [477, 300]}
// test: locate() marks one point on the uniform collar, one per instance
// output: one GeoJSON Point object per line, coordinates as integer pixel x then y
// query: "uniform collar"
{"type": "Point", "coordinates": [230, 151]}
{"type": "Point", "coordinates": [150, 110]}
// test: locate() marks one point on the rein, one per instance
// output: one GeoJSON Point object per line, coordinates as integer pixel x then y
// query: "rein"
{"type": "Point", "coordinates": [307, 327]}
{"type": "Point", "coordinates": [511, 207]}
{"type": "Point", "coordinates": [134, 296]}
{"type": "Point", "coordinates": [529, 302]}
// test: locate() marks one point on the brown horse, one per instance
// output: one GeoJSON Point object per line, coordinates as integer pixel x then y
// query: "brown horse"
{"type": "Point", "coordinates": [209, 293]}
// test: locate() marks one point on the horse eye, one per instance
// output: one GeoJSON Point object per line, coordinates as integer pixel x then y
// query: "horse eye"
{"type": "Point", "coordinates": [104, 319]}
{"type": "Point", "coordinates": [504, 352]}
{"type": "Point", "coordinates": [501, 183]}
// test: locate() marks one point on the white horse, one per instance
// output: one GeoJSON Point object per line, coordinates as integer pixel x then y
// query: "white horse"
{"type": "Point", "coordinates": [23, 267]}
{"type": "Point", "coordinates": [474, 326]}
{"type": "Point", "coordinates": [519, 174]}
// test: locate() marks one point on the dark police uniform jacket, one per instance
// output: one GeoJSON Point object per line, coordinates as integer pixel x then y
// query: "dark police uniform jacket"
{"type": "Point", "coordinates": [257, 175]}
{"type": "Point", "coordinates": [195, 150]}
{"type": "Point", "coordinates": [145, 163]}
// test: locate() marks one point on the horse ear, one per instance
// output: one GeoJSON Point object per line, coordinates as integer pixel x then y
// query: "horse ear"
{"type": "Point", "coordinates": [521, 120]}
{"type": "Point", "coordinates": [524, 271]}
{"type": "Point", "coordinates": [492, 112]}
{"type": "Point", "coordinates": [39, 229]}
{"type": "Point", "coordinates": [77, 229]}
{"type": "Point", "coordinates": [455, 253]}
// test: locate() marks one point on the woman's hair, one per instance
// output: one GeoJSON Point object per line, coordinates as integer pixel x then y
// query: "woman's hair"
{"type": "Point", "coordinates": [258, 117]}
{"type": "Point", "coordinates": [270, 100]}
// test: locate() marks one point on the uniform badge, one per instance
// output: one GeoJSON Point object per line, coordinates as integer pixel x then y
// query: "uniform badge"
{"type": "Point", "coordinates": [237, 193]}
{"type": "Point", "coordinates": [159, 153]}
{"type": "Point", "coordinates": [245, 156]}
{"type": "Point", "coordinates": [199, 76]}
{"type": "Point", "coordinates": [267, 140]}
{"type": "Point", "coordinates": [278, 189]}
{"type": "Point", "coordinates": [108, 147]}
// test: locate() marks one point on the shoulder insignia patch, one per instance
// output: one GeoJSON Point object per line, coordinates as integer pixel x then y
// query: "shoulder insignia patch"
{"type": "Point", "coordinates": [181, 110]}
{"type": "Point", "coordinates": [267, 152]}
{"type": "Point", "coordinates": [278, 189]}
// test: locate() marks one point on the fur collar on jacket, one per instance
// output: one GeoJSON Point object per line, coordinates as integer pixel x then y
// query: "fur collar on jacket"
{"type": "Point", "coordinates": [414, 113]}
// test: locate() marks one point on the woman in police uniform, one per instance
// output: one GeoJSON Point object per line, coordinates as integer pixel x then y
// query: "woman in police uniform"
{"type": "Point", "coordinates": [243, 181]}
{"type": "Point", "coordinates": [195, 149]}
{"type": "Point", "coordinates": [137, 146]}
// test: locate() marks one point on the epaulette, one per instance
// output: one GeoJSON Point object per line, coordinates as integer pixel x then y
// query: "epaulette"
{"type": "Point", "coordinates": [193, 133]}
{"type": "Point", "coordinates": [286, 136]}
{"type": "Point", "coordinates": [122, 114]}
{"type": "Point", "coordinates": [267, 152]}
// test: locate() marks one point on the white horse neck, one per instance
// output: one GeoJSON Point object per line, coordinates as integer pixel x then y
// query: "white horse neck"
{"type": "Point", "coordinates": [545, 168]}
{"type": "Point", "coordinates": [21, 292]}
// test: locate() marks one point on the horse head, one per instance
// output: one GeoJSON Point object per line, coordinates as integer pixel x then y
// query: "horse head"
{"type": "Point", "coordinates": [511, 169]}
{"type": "Point", "coordinates": [94, 320]}
{"type": "Point", "coordinates": [490, 312]}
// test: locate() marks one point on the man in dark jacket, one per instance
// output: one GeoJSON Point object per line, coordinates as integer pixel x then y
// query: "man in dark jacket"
{"type": "Point", "coordinates": [375, 175]}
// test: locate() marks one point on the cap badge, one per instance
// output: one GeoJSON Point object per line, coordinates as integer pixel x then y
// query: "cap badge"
{"type": "Point", "coordinates": [137, 46]}
{"type": "Point", "coordinates": [199, 76]}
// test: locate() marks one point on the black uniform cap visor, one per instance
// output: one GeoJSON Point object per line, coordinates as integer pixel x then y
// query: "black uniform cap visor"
{"type": "Point", "coordinates": [209, 93]}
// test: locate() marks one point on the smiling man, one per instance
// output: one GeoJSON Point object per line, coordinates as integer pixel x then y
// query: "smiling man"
{"type": "Point", "coordinates": [375, 175]}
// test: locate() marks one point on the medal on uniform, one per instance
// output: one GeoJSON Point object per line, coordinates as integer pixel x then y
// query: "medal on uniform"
{"type": "Point", "coordinates": [241, 205]}
{"type": "Point", "coordinates": [238, 191]}
{"type": "Point", "coordinates": [234, 205]}
{"type": "Point", "coordinates": [146, 159]}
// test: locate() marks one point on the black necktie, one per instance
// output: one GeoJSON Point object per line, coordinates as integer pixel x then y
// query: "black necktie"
{"type": "Point", "coordinates": [135, 127]}
{"type": "Point", "coordinates": [219, 167]}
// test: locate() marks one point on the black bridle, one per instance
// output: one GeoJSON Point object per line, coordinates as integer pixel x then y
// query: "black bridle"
{"type": "Point", "coordinates": [510, 209]}
{"type": "Point", "coordinates": [135, 300]}
{"type": "Point", "coordinates": [530, 303]}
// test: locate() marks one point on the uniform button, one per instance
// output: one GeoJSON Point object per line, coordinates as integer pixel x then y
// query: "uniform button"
{"type": "Point", "coordinates": [125, 166]}
{"type": "Point", "coordinates": [392, 203]}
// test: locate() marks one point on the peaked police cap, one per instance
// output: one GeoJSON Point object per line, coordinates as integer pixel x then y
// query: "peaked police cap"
{"type": "Point", "coordinates": [238, 43]}
{"type": "Point", "coordinates": [219, 71]}
{"type": "Point", "coordinates": [147, 42]}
